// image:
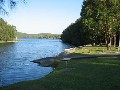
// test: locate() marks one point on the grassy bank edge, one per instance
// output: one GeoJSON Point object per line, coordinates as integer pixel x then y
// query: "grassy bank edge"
{"type": "Point", "coordinates": [10, 41]}
{"type": "Point", "coordinates": [85, 74]}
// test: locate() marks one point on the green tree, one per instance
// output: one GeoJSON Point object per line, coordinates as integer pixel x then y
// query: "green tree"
{"type": "Point", "coordinates": [76, 34]}
{"type": "Point", "coordinates": [7, 32]}
{"type": "Point", "coordinates": [102, 18]}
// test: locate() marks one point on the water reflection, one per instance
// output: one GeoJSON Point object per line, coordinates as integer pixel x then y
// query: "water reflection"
{"type": "Point", "coordinates": [15, 65]}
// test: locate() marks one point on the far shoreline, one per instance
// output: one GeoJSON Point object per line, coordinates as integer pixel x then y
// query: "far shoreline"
{"type": "Point", "coordinates": [10, 41]}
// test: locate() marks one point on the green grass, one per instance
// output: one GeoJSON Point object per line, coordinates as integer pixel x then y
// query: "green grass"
{"type": "Point", "coordinates": [2, 41]}
{"type": "Point", "coordinates": [96, 50]}
{"type": "Point", "coordinates": [85, 74]}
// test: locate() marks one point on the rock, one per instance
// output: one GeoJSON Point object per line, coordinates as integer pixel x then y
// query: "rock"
{"type": "Point", "coordinates": [71, 50]}
{"type": "Point", "coordinates": [45, 62]}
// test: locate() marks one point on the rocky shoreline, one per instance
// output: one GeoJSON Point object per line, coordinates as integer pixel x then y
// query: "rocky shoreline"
{"type": "Point", "coordinates": [48, 61]}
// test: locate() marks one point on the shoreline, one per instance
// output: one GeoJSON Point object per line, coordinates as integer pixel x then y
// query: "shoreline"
{"type": "Point", "coordinates": [10, 41]}
{"type": "Point", "coordinates": [83, 74]}
{"type": "Point", "coordinates": [68, 53]}
{"type": "Point", "coordinates": [48, 61]}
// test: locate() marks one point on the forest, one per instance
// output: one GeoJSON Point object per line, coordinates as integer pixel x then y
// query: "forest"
{"type": "Point", "coordinates": [7, 31]}
{"type": "Point", "coordinates": [99, 23]}
{"type": "Point", "coordinates": [40, 35]}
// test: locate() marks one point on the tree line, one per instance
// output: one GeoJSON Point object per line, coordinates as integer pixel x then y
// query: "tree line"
{"type": "Point", "coordinates": [7, 31]}
{"type": "Point", "coordinates": [99, 23]}
{"type": "Point", "coordinates": [40, 35]}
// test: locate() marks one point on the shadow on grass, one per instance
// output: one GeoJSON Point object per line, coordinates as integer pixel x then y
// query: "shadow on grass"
{"type": "Point", "coordinates": [102, 73]}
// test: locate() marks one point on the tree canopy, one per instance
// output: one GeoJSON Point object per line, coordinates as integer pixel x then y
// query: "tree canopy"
{"type": "Point", "coordinates": [7, 32]}
{"type": "Point", "coordinates": [100, 19]}
{"type": "Point", "coordinates": [40, 35]}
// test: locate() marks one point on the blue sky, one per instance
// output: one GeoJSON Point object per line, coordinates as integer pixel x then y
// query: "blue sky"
{"type": "Point", "coordinates": [44, 16]}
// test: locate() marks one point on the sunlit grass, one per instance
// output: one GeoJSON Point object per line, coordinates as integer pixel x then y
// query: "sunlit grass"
{"type": "Point", "coordinates": [96, 50]}
{"type": "Point", "coordinates": [81, 74]}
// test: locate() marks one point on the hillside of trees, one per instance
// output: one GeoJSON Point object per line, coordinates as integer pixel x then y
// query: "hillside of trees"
{"type": "Point", "coordinates": [7, 32]}
{"type": "Point", "coordinates": [99, 22]}
{"type": "Point", "coordinates": [40, 35]}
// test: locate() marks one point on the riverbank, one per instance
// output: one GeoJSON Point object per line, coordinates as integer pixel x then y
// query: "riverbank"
{"type": "Point", "coordinates": [79, 53]}
{"type": "Point", "coordinates": [100, 73]}
{"type": "Point", "coordinates": [9, 41]}
{"type": "Point", "coordinates": [82, 72]}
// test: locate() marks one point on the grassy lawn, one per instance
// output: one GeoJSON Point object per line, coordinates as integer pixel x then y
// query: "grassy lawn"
{"type": "Point", "coordinates": [96, 50]}
{"type": "Point", "coordinates": [85, 74]}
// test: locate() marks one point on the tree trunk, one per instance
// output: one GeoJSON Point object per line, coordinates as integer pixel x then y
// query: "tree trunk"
{"type": "Point", "coordinates": [114, 39]}
{"type": "Point", "coordinates": [108, 38]}
{"type": "Point", "coordinates": [107, 43]}
{"type": "Point", "coordinates": [110, 43]}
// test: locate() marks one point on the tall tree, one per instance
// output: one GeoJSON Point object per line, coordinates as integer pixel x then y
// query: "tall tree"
{"type": "Point", "coordinates": [7, 32]}
{"type": "Point", "coordinates": [102, 17]}
{"type": "Point", "coordinates": [76, 34]}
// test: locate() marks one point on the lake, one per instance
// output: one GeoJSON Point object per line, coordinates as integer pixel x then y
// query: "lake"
{"type": "Point", "coordinates": [15, 65]}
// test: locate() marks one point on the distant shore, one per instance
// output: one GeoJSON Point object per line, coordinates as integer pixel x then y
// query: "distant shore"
{"type": "Point", "coordinates": [10, 41]}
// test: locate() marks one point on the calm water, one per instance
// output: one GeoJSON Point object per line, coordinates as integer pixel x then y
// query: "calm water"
{"type": "Point", "coordinates": [15, 65]}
